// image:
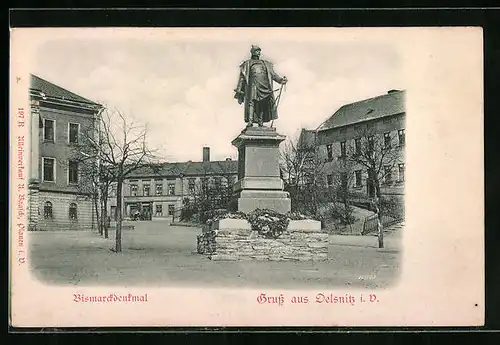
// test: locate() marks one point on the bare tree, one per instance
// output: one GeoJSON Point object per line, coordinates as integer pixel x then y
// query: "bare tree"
{"type": "Point", "coordinates": [106, 179]}
{"type": "Point", "coordinates": [119, 145]}
{"type": "Point", "coordinates": [338, 193]}
{"type": "Point", "coordinates": [213, 193]}
{"type": "Point", "coordinates": [303, 173]}
{"type": "Point", "coordinates": [378, 154]}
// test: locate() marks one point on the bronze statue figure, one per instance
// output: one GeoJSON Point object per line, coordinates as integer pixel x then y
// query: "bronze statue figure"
{"type": "Point", "coordinates": [255, 88]}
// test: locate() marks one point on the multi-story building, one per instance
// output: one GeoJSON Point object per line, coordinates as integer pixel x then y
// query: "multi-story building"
{"type": "Point", "coordinates": [58, 116]}
{"type": "Point", "coordinates": [159, 193]}
{"type": "Point", "coordinates": [368, 131]}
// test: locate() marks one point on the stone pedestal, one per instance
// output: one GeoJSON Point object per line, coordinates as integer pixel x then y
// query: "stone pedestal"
{"type": "Point", "coordinates": [234, 240]}
{"type": "Point", "coordinates": [259, 182]}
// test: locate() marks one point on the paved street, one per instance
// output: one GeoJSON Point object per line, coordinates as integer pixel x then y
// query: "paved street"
{"type": "Point", "coordinates": [156, 254]}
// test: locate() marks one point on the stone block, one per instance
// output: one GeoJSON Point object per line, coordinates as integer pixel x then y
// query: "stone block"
{"type": "Point", "coordinates": [290, 258]}
{"type": "Point", "coordinates": [231, 224]}
{"type": "Point", "coordinates": [254, 182]}
{"type": "Point", "coordinates": [276, 258]}
{"type": "Point", "coordinates": [249, 200]}
{"type": "Point", "coordinates": [260, 257]}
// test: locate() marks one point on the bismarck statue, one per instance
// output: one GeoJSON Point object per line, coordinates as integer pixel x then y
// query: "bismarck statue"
{"type": "Point", "coordinates": [259, 184]}
{"type": "Point", "coordinates": [255, 88]}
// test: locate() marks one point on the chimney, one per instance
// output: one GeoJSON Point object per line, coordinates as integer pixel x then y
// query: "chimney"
{"type": "Point", "coordinates": [206, 154]}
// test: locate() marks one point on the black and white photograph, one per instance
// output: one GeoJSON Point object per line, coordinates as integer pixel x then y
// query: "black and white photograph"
{"type": "Point", "coordinates": [246, 176]}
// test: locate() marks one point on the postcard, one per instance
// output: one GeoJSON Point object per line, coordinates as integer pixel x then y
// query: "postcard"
{"type": "Point", "coordinates": [181, 177]}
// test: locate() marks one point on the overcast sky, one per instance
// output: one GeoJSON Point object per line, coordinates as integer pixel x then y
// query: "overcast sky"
{"type": "Point", "coordinates": [183, 89]}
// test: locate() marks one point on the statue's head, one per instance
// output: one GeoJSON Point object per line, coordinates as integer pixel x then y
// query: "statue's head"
{"type": "Point", "coordinates": [255, 51]}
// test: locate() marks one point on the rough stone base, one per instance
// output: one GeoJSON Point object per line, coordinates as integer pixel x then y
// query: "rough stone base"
{"type": "Point", "coordinates": [303, 241]}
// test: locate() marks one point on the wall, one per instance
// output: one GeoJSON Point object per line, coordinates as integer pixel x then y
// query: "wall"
{"type": "Point", "coordinates": [247, 244]}
{"type": "Point", "coordinates": [60, 211]}
{"type": "Point", "coordinates": [348, 133]}
{"type": "Point", "coordinates": [60, 193]}
{"type": "Point", "coordinates": [60, 149]}
{"type": "Point", "coordinates": [181, 191]}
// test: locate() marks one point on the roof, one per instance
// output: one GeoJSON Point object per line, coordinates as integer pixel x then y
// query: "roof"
{"type": "Point", "coordinates": [391, 103]}
{"type": "Point", "coordinates": [307, 138]}
{"type": "Point", "coordinates": [54, 91]}
{"type": "Point", "coordinates": [188, 169]}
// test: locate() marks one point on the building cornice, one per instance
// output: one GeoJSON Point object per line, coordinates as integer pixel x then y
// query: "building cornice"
{"type": "Point", "coordinates": [378, 119]}
{"type": "Point", "coordinates": [48, 100]}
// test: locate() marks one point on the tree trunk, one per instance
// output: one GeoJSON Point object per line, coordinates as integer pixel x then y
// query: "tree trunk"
{"type": "Point", "coordinates": [102, 218]}
{"type": "Point", "coordinates": [98, 219]}
{"type": "Point", "coordinates": [376, 182]}
{"type": "Point", "coordinates": [380, 228]}
{"type": "Point", "coordinates": [105, 216]}
{"type": "Point", "coordinates": [380, 232]}
{"type": "Point", "coordinates": [119, 184]}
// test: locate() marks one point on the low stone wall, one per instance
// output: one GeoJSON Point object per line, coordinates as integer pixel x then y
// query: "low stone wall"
{"type": "Point", "coordinates": [233, 239]}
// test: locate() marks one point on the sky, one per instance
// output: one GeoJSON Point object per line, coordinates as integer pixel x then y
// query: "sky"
{"type": "Point", "coordinates": [182, 89]}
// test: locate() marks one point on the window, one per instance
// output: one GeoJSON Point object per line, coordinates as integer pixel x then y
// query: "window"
{"type": "Point", "coordinates": [387, 140]}
{"type": "Point", "coordinates": [357, 146]}
{"type": "Point", "coordinates": [218, 182]}
{"type": "Point", "coordinates": [204, 183]}
{"type": "Point", "coordinates": [48, 130]}
{"type": "Point", "coordinates": [73, 212]}
{"type": "Point", "coordinates": [342, 149]}
{"type": "Point", "coordinates": [146, 189]}
{"type": "Point", "coordinates": [159, 188]}
{"type": "Point", "coordinates": [159, 211]}
{"type": "Point", "coordinates": [73, 172]}
{"type": "Point", "coordinates": [47, 210]}
{"type": "Point", "coordinates": [133, 189]}
{"type": "Point", "coordinates": [371, 144]}
{"type": "Point", "coordinates": [401, 168]}
{"type": "Point", "coordinates": [133, 209]}
{"type": "Point", "coordinates": [48, 173]}
{"type": "Point", "coordinates": [170, 210]}
{"type": "Point", "coordinates": [343, 179]}
{"type": "Point", "coordinates": [191, 185]}
{"type": "Point", "coordinates": [329, 152]}
{"type": "Point", "coordinates": [73, 131]}
{"type": "Point", "coordinates": [329, 180]}
{"type": "Point", "coordinates": [357, 175]}
{"type": "Point", "coordinates": [171, 188]}
{"type": "Point", "coordinates": [387, 174]}
{"type": "Point", "coordinates": [401, 137]}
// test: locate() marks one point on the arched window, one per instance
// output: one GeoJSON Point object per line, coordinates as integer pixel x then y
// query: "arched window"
{"type": "Point", "coordinates": [73, 211]}
{"type": "Point", "coordinates": [47, 210]}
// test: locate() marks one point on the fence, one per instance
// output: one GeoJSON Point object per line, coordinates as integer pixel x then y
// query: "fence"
{"type": "Point", "coordinates": [370, 223]}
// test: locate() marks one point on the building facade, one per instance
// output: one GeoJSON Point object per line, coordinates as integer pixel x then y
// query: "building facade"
{"type": "Point", "coordinates": [363, 143]}
{"type": "Point", "coordinates": [58, 117]}
{"type": "Point", "coordinates": [159, 194]}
